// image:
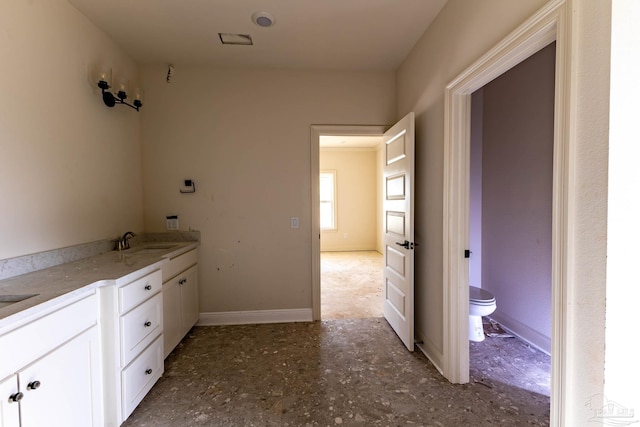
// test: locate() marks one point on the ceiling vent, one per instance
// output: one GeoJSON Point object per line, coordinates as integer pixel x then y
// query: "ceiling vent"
{"type": "Point", "coordinates": [237, 39]}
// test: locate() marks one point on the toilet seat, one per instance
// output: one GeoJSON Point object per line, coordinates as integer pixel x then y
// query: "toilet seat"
{"type": "Point", "coordinates": [481, 303]}
{"type": "Point", "coordinates": [478, 296]}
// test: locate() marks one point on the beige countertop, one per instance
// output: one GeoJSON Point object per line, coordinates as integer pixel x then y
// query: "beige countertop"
{"type": "Point", "coordinates": [56, 285]}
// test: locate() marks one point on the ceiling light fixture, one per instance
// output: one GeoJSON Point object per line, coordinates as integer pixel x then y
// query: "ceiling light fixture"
{"type": "Point", "coordinates": [111, 98]}
{"type": "Point", "coordinates": [263, 19]}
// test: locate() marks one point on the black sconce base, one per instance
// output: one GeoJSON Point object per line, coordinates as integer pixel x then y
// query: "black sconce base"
{"type": "Point", "coordinates": [110, 100]}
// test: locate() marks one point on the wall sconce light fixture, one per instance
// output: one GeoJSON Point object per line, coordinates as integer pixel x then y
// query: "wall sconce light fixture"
{"type": "Point", "coordinates": [119, 96]}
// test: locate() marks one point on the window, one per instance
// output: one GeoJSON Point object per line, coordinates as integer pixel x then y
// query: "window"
{"type": "Point", "coordinates": [328, 200]}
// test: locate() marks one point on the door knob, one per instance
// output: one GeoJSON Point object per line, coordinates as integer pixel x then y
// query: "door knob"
{"type": "Point", "coordinates": [407, 244]}
{"type": "Point", "coordinates": [33, 385]}
{"type": "Point", "coordinates": [16, 397]}
{"type": "Point", "coordinates": [404, 244]}
{"type": "Point", "coordinates": [147, 324]}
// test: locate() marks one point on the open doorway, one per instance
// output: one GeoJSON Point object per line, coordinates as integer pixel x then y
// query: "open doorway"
{"type": "Point", "coordinates": [340, 137]}
{"type": "Point", "coordinates": [510, 223]}
{"type": "Point", "coordinates": [539, 31]}
{"type": "Point", "coordinates": [349, 197]}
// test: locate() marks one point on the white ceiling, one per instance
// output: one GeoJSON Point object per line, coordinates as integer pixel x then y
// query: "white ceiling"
{"type": "Point", "coordinates": [308, 34]}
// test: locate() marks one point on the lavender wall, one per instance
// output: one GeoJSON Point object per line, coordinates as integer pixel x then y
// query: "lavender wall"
{"type": "Point", "coordinates": [517, 166]}
{"type": "Point", "coordinates": [475, 191]}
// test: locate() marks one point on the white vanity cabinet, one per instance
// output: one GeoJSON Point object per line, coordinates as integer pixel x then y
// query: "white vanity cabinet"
{"type": "Point", "coordinates": [181, 308]}
{"type": "Point", "coordinates": [132, 343]}
{"type": "Point", "coordinates": [9, 409]}
{"type": "Point", "coordinates": [50, 369]}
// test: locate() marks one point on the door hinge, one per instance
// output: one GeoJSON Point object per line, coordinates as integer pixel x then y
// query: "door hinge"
{"type": "Point", "coordinates": [467, 253]}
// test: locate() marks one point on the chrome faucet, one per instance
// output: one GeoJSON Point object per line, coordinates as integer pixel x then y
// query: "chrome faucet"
{"type": "Point", "coordinates": [122, 243]}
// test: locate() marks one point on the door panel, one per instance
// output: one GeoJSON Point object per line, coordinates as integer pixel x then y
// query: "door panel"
{"type": "Point", "coordinates": [190, 303]}
{"type": "Point", "coordinates": [396, 187]}
{"type": "Point", "coordinates": [9, 412]}
{"type": "Point", "coordinates": [398, 229]}
{"type": "Point", "coordinates": [67, 394]}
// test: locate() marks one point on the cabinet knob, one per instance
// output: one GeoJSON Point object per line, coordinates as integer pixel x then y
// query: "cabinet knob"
{"type": "Point", "coordinates": [148, 287]}
{"type": "Point", "coordinates": [33, 385]}
{"type": "Point", "coordinates": [16, 397]}
{"type": "Point", "coordinates": [147, 324]}
{"type": "Point", "coordinates": [148, 371]}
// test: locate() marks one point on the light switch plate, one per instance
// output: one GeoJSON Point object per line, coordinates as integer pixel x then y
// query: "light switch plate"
{"type": "Point", "coordinates": [172, 223]}
{"type": "Point", "coordinates": [294, 222]}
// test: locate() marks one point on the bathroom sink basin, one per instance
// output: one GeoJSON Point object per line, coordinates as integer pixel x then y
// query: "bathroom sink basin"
{"type": "Point", "coordinates": [6, 300]}
{"type": "Point", "coordinates": [152, 249]}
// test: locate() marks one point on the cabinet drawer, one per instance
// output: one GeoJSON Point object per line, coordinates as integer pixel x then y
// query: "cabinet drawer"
{"type": "Point", "coordinates": [140, 376]}
{"type": "Point", "coordinates": [178, 264]}
{"type": "Point", "coordinates": [139, 327]}
{"type": "Point", "coordinates": [135, 292]}
{"type": "Point", "coordinates": [37, 338]}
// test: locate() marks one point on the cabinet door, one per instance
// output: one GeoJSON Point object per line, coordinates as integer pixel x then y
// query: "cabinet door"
{"type": "Point", "coordinates": [63, 388]}
{"type": "Point", "coordinates": [190, 302]}
{"type": "Point", "coordinates": [171, 314]}
{"type": "Point", "coordinates": [9, 412]}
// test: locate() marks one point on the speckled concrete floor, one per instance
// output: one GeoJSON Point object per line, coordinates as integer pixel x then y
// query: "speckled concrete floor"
{"type": "Point", "coordinates": [349, 372]}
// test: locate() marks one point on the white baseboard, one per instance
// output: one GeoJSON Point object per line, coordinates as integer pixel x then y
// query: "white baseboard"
{"type": "Point", "coordinates": [525, 332]}
{"type": "Point", "coordinates": [256, 316]}
{"type": "Point", "coordinates": [429, 350]}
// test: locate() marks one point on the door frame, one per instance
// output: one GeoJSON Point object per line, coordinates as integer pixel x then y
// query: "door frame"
{"type": "Point", "coordinates": [316, 132]}
{"type": "Point", "coordinates": [549, 24]}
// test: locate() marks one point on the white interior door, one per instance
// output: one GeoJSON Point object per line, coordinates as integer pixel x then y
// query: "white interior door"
{"type": "Point", "coordinates": [398, 171]}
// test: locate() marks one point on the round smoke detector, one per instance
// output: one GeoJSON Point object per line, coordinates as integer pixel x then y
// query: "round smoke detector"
{"type": "Point", "coordinates": [263, 19]}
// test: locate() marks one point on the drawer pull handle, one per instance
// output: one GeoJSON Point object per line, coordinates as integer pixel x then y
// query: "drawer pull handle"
{"type": "Point", "coordinates": [33, 385]}
{"type": "Point", "coordinates": [148, 287]}
{"type": "Point", "coordinates": [16, 397]}
{"type": "Point", "coordinates": [148, 371]}
{"type": "Point", "coordinates": [147, 324]}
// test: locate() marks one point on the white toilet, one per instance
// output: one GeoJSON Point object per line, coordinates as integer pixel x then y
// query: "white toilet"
{"type": "Point", "coordinates": [481, 303]}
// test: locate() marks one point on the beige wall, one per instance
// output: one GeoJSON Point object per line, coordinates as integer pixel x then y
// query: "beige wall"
{"type": "Point", "coordinates": [356, 200]}
{"type": "Point", "coordinates": [69, 166]}
{"type": "Point", "coordinates": [380, 200]}
{"type": "Point", "coordinates": [460, 35]}
{"type": "Point", "coordinates": [623, 292]}
{"type": "Point", "coordinates": [244, 137]}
